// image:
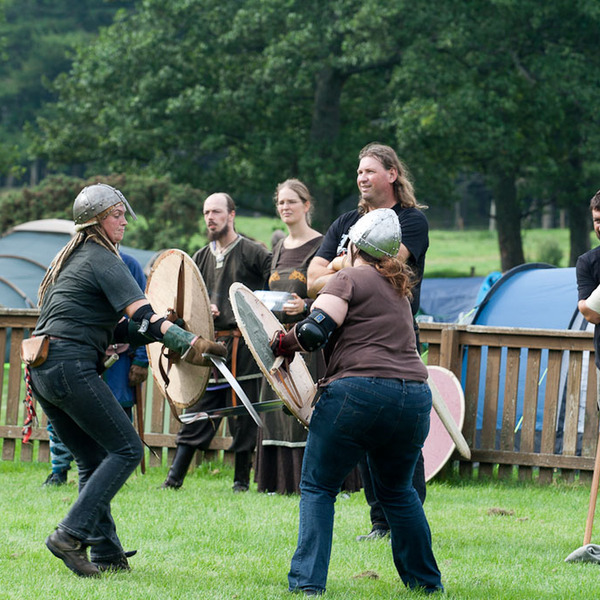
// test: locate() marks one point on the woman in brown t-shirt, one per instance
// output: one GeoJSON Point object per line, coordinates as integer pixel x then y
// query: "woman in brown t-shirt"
{"type": "Point", "coordinates": [375, 401]}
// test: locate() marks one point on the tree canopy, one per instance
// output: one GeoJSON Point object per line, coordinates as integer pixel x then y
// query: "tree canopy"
{"type": "Point", "coordinates": [237, 95]}
{"type": "Point", "coordinates": [37, 38]}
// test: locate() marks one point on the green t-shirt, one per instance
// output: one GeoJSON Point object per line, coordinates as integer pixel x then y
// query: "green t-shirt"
{"type": "Point", "coordinates": [89, 297]}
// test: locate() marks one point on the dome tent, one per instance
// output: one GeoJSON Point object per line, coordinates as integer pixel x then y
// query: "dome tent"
{"type": "Point", "coordinates": [536, 296]}
{"type": "Point", "coordinates": [27, 250]}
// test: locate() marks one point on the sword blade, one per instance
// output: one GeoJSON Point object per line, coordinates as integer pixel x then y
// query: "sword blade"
{"type": "Point", "coordinates": [230, 411]}
{"type": "Point", "coordinates": [219, 362]}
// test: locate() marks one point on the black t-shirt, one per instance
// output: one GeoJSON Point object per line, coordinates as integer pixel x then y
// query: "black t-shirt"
{"type": "Point", "coordinates": [587, 270]}
{"type": "Point", "coordinates": [415, 236]}
{"type": "Point", "coordinates": [88, 298]}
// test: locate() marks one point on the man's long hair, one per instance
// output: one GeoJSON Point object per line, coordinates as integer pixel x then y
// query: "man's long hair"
{"type": "Point", "coordinates": [94, 233]}
{"type": "Point", "coordinates": [403, 186]}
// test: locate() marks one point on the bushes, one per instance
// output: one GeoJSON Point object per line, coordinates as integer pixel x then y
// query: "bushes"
{"type": "Point", "coordinates": [550, 252]}
{"type": "Point", "coordinates": [169, 215]}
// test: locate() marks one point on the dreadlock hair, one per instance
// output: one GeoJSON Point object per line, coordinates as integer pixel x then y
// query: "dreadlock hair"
{"type": "Point", "coordinates": [399, 274]}
{"type": "Point", "coordinates": [94, 233]}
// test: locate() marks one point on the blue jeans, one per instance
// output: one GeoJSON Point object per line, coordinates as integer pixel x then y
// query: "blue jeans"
{"type": "Point", "coordinates": [387, 419]}
{"type": "Point", "coordinates": [91, 423]}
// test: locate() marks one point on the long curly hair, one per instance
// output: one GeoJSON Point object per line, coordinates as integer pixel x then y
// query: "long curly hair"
{"type": "Point", "coordinates": [400, 275]}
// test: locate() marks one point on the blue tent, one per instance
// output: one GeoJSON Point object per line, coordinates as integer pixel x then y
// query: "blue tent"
{"type": "Point", "coordinates": [533, 295]}
{"type": "Point", "coordinates": [448, 300]}
{"type": "Point", "coordinates": [27, 250]}
{"type": "Point", "coordinates": [453, 299]}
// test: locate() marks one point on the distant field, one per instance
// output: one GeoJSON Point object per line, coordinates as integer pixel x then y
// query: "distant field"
{"type": "Point", "coordinates": [457, 253]}
{"type": "Point", "coordinates": [465, 253]}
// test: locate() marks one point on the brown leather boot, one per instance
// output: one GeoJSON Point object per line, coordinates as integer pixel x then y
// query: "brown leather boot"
{"type": "Point", "coordinates": [72, 552]}
{"type": "Point", "coordinates": [115, 563]}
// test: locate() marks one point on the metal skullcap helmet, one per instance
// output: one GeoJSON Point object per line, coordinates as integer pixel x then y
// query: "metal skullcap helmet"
{"type": "Point", "coordinates": [95, 199]}
{"type": "Point", "coordinates": [378, 233]}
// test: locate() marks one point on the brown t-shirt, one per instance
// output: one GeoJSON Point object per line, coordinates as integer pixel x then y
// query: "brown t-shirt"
{"type": "Point", "coordinates": [377, 338]}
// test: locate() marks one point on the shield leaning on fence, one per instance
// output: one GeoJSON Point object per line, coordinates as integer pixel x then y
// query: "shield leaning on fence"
{"type": "Point", "coordinates": [175, 283]}
{"type": "Point", "coordinates": [292, 383]}
{"type": "Point", "coordinates": [446, 421]}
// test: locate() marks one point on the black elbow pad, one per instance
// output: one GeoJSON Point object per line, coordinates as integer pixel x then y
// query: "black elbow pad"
{"type": "Point", "coordinates": [140, 330]}
{"type": "Point", "coordinates": [314, 332]}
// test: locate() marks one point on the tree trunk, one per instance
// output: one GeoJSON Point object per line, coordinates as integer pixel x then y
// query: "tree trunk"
{"type": "Point", "coordinates": [579, 230]}
{"type": "Point", "coordinates": [324, 131]}
{"type": "Point", "coordinates": [577, 208]}
{"type": "Point", "coordinates": [508, 221]}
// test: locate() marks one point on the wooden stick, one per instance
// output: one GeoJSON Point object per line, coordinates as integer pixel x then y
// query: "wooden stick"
{"type": "Point", "coordinates": [593, 497]}
{"type": "Point", "coordinates": [139, 411]}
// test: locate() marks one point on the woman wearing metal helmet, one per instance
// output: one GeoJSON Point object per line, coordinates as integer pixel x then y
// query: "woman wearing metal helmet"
{"type": "Point", "coordinates": [83, 296]}
{"type": "Point", "coordinates": [374, 400]}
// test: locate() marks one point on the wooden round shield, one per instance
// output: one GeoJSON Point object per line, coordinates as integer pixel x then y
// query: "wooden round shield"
{"type": "Point", "coordinates": [439, 444]}
{"type": "Point", "coordinates": [176, 283]}
{"type": "Point", "coordinates": [294, 384]}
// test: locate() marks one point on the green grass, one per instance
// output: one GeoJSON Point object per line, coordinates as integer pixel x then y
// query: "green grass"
{"type": "Point", "coordinates": [455, 253]}
{"type": "Point", "coordinates": [204, 542]}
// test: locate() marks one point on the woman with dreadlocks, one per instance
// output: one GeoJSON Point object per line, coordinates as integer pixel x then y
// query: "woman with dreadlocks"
{"type": "Point", "coordinates": [83, 297]}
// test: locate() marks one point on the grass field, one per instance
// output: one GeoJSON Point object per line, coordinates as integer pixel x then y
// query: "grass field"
{"type": "Point", "coordinates": [457, 253]}
{"type": "Point", "coordinates": [492, 540]}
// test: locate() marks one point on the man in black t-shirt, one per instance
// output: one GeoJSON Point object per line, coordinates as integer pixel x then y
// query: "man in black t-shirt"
{"type": "Point", "coordinates": [588, 286]}
{"type": "Point", "coordinates": [383, 182]}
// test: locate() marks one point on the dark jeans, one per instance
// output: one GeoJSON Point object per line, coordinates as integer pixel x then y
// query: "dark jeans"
{"type": "Point", "coordinates": [91, 423]}
{"type": "Point", "coordinates": [389, 420]}
{"type": "Point", "coordinates": [378, 520]}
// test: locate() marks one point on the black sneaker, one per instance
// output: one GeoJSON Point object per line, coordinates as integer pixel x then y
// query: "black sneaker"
{"type": "Point", "coordinates": [120, 563]}
{"type": "Point", "coordinates": [375, 534]}
{"type": "Point", "coordinates": [56, 478]}
{"type": "Point", "coordinates": [72, 552]}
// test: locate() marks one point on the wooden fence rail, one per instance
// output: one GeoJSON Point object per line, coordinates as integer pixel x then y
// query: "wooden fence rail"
{"type": "Point", "coordinates": [160, 425]}
{"type": "Point", "coordinates": [530, 396]}
{"type": "Point", "coordinates": [530, 399]}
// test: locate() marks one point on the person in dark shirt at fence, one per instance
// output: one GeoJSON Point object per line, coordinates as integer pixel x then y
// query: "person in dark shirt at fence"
{"type": "Point", "coordinates": [228, 257]}
{"type": "Point", "coordinates": [587, 270]}
{"type": "Point", "coordinates": [283, 438]}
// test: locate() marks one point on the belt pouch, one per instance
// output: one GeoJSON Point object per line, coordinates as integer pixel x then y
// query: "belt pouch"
{"type": "Point", "coordinates": [34, 350]}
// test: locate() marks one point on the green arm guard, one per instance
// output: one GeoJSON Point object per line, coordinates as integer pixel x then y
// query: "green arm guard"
{"type": "Point", "coordinates": [191, 347]}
